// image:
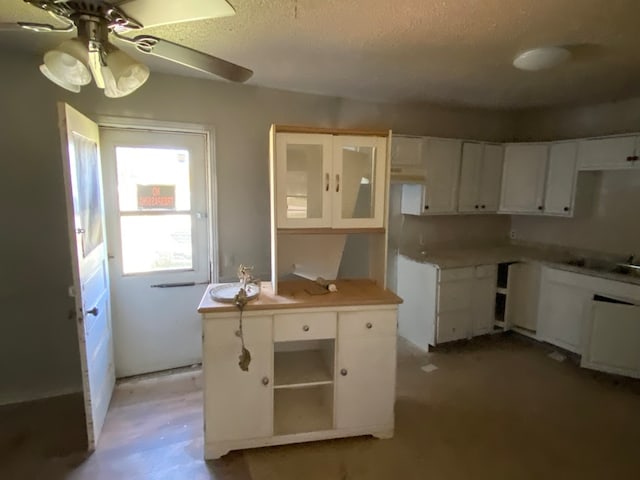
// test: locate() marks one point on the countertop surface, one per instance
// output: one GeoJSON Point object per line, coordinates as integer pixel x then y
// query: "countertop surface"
{"type": "Point", "coordinates": [307, 294]}
{"type": "Point", "coordinates": [487, 255]}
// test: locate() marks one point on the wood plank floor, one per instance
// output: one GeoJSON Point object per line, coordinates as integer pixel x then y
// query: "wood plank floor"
{"type": "Point", "coordinates": [495, 408]}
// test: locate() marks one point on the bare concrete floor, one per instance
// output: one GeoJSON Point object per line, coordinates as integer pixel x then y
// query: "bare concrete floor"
{"type": "Point", "coordinates": [495, 408]}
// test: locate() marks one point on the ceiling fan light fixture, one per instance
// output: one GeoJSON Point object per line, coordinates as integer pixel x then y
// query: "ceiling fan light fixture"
{"type": "Point", "coordinates": [69, 62]}
{"type": "Point", "coordinates": [128, 74]}
{"type": "Point", "coordinates": [58, 81]}
{"type": "Point", "coordinates": [541, 58]}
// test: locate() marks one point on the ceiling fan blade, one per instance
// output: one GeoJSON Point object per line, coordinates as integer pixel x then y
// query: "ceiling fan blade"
{"type": "Point", "coordinates": [10, 27]}
{"type": "Point", "coordinates": [192, 58]}
{"type": "Point", "coordinates": [150, 14]}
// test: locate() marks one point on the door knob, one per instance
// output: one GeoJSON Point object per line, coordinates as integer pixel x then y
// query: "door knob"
{"type": "Point", "coordinates": [343, 372]}
{"type": "Point", "coordinates": [94, 311]}
{"type": "Point", "coordinates": [265, 381]}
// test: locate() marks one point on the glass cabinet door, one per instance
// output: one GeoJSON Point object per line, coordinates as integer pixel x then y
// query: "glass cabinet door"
{"type": "Point", "coordinates": [359, 181]}
{"type": "Point", "coordinates": [303, 187]}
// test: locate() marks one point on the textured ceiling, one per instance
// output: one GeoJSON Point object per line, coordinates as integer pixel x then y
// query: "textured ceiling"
{"type": "Point", "coordinates": [455, 52]}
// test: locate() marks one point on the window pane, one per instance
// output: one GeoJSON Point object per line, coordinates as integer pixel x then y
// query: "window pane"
{"type": "Point", "coordinates": [358, 169]}
{"type": "Point", "coordinates": [153, 179]}
{"type": "Point", "coordinates": [156, 242]}
{"type": "Point", "coordinates": [304, 181]}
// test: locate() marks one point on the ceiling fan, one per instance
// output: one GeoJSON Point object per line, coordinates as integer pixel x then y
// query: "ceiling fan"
{"type": "Point", "coordinates": [91, 54]}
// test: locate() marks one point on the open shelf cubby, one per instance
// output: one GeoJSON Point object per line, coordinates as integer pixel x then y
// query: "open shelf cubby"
{"type": "Point", "coordinates": [302, 368]}
{"type": "Point", "coordinates": [299, 410]}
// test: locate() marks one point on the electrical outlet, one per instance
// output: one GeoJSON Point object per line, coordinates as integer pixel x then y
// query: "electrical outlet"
{"type": "Point", "coordinates": [512, 234]}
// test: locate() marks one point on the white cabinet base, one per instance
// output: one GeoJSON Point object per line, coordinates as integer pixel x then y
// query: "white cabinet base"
{"type": "Point", "coordinates": [215, 450]}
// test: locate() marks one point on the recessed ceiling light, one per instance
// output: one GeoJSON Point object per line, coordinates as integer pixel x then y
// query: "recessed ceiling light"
{"type": "Point", "coordinates": [541, 58]}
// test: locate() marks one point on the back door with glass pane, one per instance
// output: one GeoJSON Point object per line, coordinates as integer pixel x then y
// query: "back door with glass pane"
{"type": "Point", "coordinates": [157, 229]}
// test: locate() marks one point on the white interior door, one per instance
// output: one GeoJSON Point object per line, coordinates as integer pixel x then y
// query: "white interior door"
{"type": "Point", "coordinates": [85, 212]}
{"type": "Point", "coordinates": [158, 239]}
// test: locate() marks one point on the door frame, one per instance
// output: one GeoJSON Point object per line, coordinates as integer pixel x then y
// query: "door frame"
{"type": "Point", "coordinates": [142, 124]}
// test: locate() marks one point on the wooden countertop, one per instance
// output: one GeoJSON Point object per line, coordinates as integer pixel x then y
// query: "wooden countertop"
{"type": "Point", "coordinates": [295, 294]}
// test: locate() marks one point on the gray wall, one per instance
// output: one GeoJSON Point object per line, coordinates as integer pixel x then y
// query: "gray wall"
{"type": "Point", "coordinates": [38, 351]}
{"type": "Point", "coordinates": [613, 226]}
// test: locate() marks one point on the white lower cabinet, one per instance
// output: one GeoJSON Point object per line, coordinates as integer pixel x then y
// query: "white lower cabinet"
{"type": "Point", "coordinates": [484, 303]}
{"type": "Point", "coordinates": [314, 374]}
{"type": "Point", "coordinates": [612, 340]}
{"type": "Point", "coordinates": [595, 317]}
{"type": "Point", "coordinates": [523, 290]}
{"type": "Point", "coordinates": [238, 404]}
{"type": "Point", "coordinates": [366, 369]}
{"type": "Point", "coordinates": [563, 306]}
{"type": "Point", "coordinates": [443, 305]}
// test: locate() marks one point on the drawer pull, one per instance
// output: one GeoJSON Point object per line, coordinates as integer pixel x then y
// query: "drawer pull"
{"type": "Point", "coordinates": [305, 328]}
{"type": "Point", "coordinates": [369, 325]}
{"type": "Point", "coordinates": [265, 381]}
{"type": "Point", "coordinates": [343, 372]}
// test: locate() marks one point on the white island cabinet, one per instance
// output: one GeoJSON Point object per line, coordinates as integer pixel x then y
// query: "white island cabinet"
{"type": "Point", "coordinates": [322, 366]}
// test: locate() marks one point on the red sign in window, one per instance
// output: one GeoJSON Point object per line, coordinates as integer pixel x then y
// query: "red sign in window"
{"type": "Point", "coordinates": [152, 197]}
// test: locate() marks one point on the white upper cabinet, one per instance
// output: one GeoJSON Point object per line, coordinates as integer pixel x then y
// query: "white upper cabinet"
{"type": "Point", "coordinates": [330, 181]}
{"type": "Point", "coordinates": [470, 173]}
{"type": "Point", "coordinates": [359, 172]}
{"type": "Point", "coordinates": [406, 151]}
{"type": "Point", "coordinates": [480, 175]}
{"type": "Point", "coordinates": [406, 159]}
{"type": "Point", "coordinates": [303, 180]}
{"type": "Point", "coordinates": [561, 179]}
{"type": "Point", "coordinates": [612, 153]}
{"type": "Point", "coordinates": [439, 193]}
{"type": "Point", "coordinates": [523, 178]}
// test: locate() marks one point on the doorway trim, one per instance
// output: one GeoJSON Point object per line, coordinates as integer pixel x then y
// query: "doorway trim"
{"type": "Point", "coordinates": [143, 124]}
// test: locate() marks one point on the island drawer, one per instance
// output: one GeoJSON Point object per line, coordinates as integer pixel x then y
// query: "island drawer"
{"type": "Point", "coordinates": [304, 326]}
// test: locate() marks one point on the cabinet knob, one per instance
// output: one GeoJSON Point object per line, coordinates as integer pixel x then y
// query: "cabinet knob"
{"type": "Point", "coordinates": [566, 209]}
{"type": "Point", "coordinates": [426, 207]}
{"type": "Point", "coordinates": [343, 372]}
{"type": "Point", "coordinates": [369, 325]}
{"type": "Point", "coordinates": [483, 206]}
{"type": "Point", "coordinates": [540, 207]}
{"type": "Point", "coordinates": [265, 381]}
{"type": "Point", "coordinates": [305, 328]}
{"type": "Point", "coordinates": [477, 207]}
{"type": "Point", "coordinates": [632, 158]}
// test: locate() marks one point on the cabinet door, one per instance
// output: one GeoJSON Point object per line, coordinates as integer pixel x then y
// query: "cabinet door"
{"type": "Point", "coordinates": [238, 404]}
{"type": "Point", "coordinates": [303, 180]}
{"type": "Point", "coordinates": [366, 369]}
{"type": "Point", "coordinates": [523, 178]}
{"type": "Point", "coordinates": [453, 325]}
{"type": "Point", "coordinates": [418, 287]}
{"type": "Point", "coordinates": [442, 163]}
{"type": "Point", "coordinates": [613, 339]}
{"type": "Point", "coordinates": [491, 178]}
{"type": "Point", "coordinates": [561, 179]}
{"type": "Point", "coordinates": [483, 304]}
{"type": "Point", "coordinates": [523, 289]}
{"type": "Point", "coordinates": [470, 175]}
{"type": "Point", "coordinates": [562, 311]}
{"type": "Point", "coordinates": [607, 153]}
{"type": "Point", "coordinates": [359, 188]}
{"type": "Point", "coordinates": [406, 151]}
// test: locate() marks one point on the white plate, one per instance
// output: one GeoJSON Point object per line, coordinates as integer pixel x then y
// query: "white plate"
{"type": "Point", "coordinates": [227, 292]}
